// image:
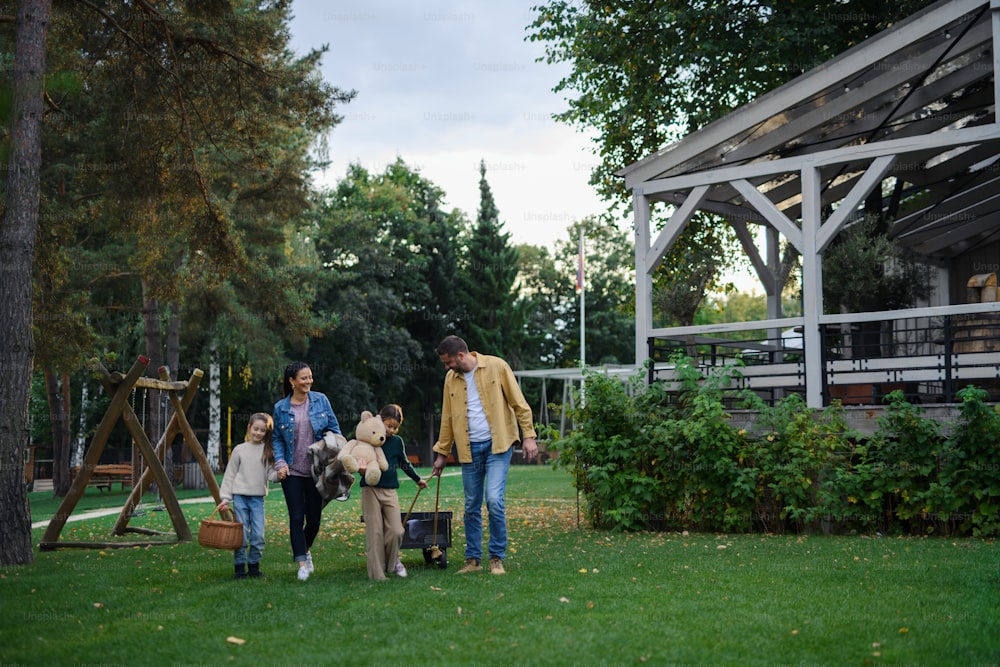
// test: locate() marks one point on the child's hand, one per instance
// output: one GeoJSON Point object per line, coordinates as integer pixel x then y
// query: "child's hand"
{"type": "Point", "coordinates": [422, 484]}
{"type": "Point", "coordinates": [362, 464]}
{"type": "Point", "coordinates": [223, 506]}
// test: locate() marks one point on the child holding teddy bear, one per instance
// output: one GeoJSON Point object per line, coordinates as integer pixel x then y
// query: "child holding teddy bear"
{"type": "Point", "coordinates": [380, 503]}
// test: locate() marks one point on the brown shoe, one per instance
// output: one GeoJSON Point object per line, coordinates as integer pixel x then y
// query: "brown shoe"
{"type": "Point", "coordinates": [496, 566]}
{"type": "Point", "coordinates": [471, 565]}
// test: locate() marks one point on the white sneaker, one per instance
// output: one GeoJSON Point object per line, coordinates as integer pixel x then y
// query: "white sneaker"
{"type": "Point", "coordinates": [399, 569]}
{"type": "Point", "coordinates": [303, 572]}
{"type": "Point", "coordinates": [309, 562]}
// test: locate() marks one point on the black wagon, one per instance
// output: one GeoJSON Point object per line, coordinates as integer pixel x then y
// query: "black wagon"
{"type": "Point", "coordinates": [419, 533]}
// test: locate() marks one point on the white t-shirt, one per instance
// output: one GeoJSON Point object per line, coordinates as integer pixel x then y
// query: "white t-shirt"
{"type": "Point", "coordinates": [479, 428]}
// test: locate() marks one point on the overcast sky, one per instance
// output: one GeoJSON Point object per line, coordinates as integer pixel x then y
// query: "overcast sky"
{"type": "Point", "coordinates": [444, 85]}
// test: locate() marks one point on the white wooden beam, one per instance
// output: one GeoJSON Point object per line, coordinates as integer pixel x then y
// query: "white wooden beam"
{"type": "Point", "coordinates": [872, 178]}
{"type": "Point", "coordinates": [762, 170]}
{"type": "Point", "coordinates": [812, 286]}
{"type": "Point", "coordinates": [767, 208]}
{"type": "Point", "coordinates": [675, 225]}
{"type": "Point", "coordinates": [643, 279]}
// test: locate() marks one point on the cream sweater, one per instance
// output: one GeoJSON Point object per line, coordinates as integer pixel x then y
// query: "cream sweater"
{"type": "Point", "coordinates": [246, 474]}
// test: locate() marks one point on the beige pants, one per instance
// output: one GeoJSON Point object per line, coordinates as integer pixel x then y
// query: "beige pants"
{"type": "Point", "coordinates": [383, 529]}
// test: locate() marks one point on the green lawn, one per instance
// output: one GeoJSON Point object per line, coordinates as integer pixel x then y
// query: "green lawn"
{"type": "Point", "coordinates": [572, 596]}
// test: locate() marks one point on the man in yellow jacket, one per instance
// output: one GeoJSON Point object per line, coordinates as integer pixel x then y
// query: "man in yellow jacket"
{"type": "Point", "coordinates": [480, 414]}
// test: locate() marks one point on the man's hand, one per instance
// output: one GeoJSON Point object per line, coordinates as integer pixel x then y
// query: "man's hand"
{"type": "Point", "coordinates": [529, 449]}
{"type": "Point", "coordinates": [439, 462]}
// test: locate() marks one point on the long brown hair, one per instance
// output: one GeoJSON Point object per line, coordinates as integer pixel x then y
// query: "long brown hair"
{"type": "Point", "coordinates": [268, 455]}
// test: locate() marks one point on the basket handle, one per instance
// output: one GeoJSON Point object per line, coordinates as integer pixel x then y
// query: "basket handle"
{"type": "Point", "coordinates": [222, 514]}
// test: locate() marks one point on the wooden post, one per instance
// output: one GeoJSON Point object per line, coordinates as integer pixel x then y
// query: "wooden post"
{"type": "Point", "coordinates": [155, 467]}
{"type": "Point", "coordinates": [192, 440]}
{"type": "Point", "coordinates": [161, 447]}
{"type": "Point", "coordinates": [118, 402]}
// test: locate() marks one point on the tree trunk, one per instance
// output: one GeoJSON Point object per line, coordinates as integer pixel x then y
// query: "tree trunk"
{"type": "Point", "coordinates": [174, 364]}
{"type": "Point", "coordinates": [154, 350]}
{"type": "Point", "coordinates": [18, 232]}
{"type": "Point", "coordinates": [59, 409]}
{"type": "Point", "coordinates": [80, 442]}
{"type": "Point", "coordinates": [214, 410]}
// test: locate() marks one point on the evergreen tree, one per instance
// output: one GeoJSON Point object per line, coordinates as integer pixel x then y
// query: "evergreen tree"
{"type": "Point", "coordinates": [387, 293]}
{"type": "Point", "coordinates": [494, 314]}
{"type": "Point", "coordinates": [176, 182]}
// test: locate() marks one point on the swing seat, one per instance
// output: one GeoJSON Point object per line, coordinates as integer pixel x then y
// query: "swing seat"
{"type": "Point", "coordinates": [106, 474]}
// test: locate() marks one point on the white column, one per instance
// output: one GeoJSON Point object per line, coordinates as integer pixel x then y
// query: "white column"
{"type": "Point", "coordinates": [812, 290]}
{"type": "Point", "coordinates": [643, 278]}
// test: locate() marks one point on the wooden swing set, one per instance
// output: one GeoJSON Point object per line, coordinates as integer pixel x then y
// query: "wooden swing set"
{"type": "Point", "coordinates": [120, 387]}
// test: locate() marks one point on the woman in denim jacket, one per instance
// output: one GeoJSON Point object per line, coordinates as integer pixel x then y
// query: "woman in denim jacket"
{"type": "Point", "coordinates": [300, 419]}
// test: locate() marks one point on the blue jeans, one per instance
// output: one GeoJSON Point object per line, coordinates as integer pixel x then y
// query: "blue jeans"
{"type": "Point", "coordinates": [487, 472]}
{"type": "Point", "coordinates": [304, 507]}
{"type": "Point", "coordinates": [249, 511]}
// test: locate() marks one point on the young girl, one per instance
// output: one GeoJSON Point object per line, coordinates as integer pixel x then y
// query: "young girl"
{"type": "Point", "coordinates": [380, 504]}
{"type": "Point", "coordinates": [244, 485]}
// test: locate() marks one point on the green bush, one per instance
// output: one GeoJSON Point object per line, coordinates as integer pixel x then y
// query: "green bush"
{"type": "Point", "coordinates": [646, 459]}
{"type": "Point", "coordinates": [969, 486]}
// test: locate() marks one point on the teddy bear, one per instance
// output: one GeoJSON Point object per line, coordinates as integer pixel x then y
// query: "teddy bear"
{"type": "Point", "coordinates": [369, 437]}
{"type": "Point", "coordinates": [332, 481]}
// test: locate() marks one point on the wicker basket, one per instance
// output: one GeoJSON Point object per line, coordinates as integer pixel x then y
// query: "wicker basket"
{"type": "Point", "coordinates": [220, 534]}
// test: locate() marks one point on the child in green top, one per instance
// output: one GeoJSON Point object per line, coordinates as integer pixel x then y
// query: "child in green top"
{"type": "Point", "coordinates": [380, 503]}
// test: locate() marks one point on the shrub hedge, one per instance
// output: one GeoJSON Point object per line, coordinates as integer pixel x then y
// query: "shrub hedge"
{"type": "Point", "coordinates": [644, 459]}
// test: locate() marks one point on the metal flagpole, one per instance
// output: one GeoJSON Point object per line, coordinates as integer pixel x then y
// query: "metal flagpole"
{"type": "Point", "coordinates": [583, 321]}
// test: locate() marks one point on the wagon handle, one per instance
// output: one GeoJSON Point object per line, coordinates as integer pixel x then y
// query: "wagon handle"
{"type": "Point", "coordinates": [437, 498]}
{"type": "Point", "coordinates": [410, 511]}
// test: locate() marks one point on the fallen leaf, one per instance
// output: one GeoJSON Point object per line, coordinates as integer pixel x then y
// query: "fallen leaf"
{"type": "Point", "coordinates": [903, 631]}
{"type": "Point", "coordinates": [583, 570]}
{"type": "Point", "coordinates": [236, 640]}
{"type": "Point", "coordinates": [98, 605]}
{"type": "Point", "coordinates": [459, 611]}
{"type": "Point", "coordinates": [435, 588]}
{"type": "Point", "coordinates": [590, 605]}
{"type": "Point", "coordinates": [564, 599]}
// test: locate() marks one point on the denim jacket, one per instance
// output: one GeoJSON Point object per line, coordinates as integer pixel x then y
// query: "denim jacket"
{"type": "Point", "coordinates": [320, 415]}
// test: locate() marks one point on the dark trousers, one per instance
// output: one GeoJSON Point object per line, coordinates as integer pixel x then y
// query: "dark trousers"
{"type": "Point", "coordinates": [304, 508]}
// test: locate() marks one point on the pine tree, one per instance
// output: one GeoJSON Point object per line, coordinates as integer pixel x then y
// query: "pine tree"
{"type": "Point", "coordinates": [494, 315]}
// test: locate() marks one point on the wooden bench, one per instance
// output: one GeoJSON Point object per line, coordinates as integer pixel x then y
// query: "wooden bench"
{"type": "Point", "coordinates": [106, 474]}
